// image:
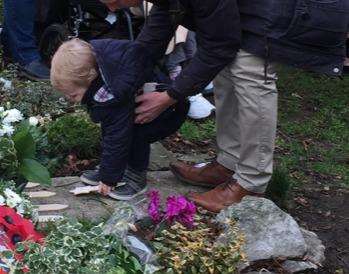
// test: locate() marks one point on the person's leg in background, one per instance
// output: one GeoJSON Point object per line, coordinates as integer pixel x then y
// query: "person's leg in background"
{"type": "Point", "coordinates": [346, 61]}
{"type": "Point", "coordinates": [136, 173]}
{"type": "Point", "coordinates": [18, 38]}
{"type": "Point", "coordinates": [255, 124]}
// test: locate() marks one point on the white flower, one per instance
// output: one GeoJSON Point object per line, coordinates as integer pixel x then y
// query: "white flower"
{"type": "Point", "coordinates": [7, 129]}
{"type": "Point", "coordinates": [12, 115]}
{"type": "Point", "coordinates": [2, 200]}
{"type": "Point", "coordinates": [33, 121]}
{"type": "Point", "coordinates": [6, 84]}
{"type": "Point", "coordinates": [2, 109]}
{"type": "Point", "coordinates": [12, 198]}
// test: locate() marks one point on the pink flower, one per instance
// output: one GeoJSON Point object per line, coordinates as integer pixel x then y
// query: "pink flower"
{"type": "Point", "coordinates": [181, 210]}
{"type": "Point", "coordinates": [154, 206]}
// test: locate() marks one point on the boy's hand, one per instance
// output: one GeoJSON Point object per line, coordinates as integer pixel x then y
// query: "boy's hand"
{"type": "Point", "coordinates": [104, 189]}
{"type": "Point", "coordinates": [152, 104]}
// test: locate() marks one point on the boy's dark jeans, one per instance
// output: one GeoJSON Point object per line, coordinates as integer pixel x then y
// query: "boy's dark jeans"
{"type": "Point", "coordinates": [166, 124]}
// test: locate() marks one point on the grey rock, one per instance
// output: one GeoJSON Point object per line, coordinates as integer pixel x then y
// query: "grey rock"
{"type": "Point", "coordinates": [269, 231]}
{"type": "Point", "coordinates": [313, 258]}
{"type": "Point", "coordinates": [298, 266]}
{"type": "Point", "coordinates": [315, 248]}
{"type": "Point", "coordinates": [160, 157]}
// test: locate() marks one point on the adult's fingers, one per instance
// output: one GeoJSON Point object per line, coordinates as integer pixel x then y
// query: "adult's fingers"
{"type": "Point", "coordinates": [140, 119]}
{"type": "Point", "coordinates": [140, 98]}
{"type": "Point", "coordinates": [140, 109]}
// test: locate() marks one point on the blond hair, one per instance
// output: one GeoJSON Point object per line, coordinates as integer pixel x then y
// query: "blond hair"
{"type": "Point", "coordinates": [74, 63]}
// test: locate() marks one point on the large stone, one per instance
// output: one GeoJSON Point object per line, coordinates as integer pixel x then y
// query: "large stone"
{"type": "Point", "coordinates": [315, 248]}
{"type": "Point", "coordinates": [298, 266]}
{"type": "Point", "coordinates": [160, 157]}
{"type": "Point", "coordinates": [270, 232]}
{"type": "Point", "coordinates": [313, 258]}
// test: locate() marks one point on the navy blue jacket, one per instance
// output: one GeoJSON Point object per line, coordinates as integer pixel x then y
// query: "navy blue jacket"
{"type": "Point", "coordinates": [308, 34]}
{"type": "Point", "coordinates": [124, 67]}
{"type": "Point", "coordinates": [217, 27]}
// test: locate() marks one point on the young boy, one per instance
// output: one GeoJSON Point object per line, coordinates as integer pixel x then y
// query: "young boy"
{"type": "Point", "coordinates": [105, 75]}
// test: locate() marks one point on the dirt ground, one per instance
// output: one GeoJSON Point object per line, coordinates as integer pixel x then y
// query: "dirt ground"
{"type": "Point", "coordinates": [326, 212]}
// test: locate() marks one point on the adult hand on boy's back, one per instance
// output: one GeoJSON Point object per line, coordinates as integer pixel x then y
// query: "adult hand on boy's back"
{"type": "Point", "coordinates": [104, 189]}
{"type": "Point", "coordinates": [152, 104]}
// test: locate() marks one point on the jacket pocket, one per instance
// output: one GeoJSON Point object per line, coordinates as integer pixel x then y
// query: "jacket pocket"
{"type": "Point", "coordinates": [319, 23]}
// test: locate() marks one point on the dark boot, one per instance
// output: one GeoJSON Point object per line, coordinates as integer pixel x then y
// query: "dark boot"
{"type": "Point", "coordinates": [36, 70]}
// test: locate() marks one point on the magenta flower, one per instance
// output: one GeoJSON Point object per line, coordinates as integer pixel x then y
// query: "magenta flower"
{"type": "Point", "coordinates": [154, 206]}
{"type": "Point", "coordinates": [181, 210]}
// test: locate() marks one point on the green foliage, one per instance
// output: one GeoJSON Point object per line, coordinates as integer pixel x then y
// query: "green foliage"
{"type": "Point", "coordinates": [278, 187]}
{"type": "Point", "coordinates": [72, 248]}
{"type": "Point", "coordinates": [29, 167]}
{"type": "Point", "coordinates": [191, 251]}
{"type": "Point", "coordinates": [33, 98]}
{"type": "Point", "coordinates": [9, 163]}
{"type": "Point", "coordinates": [198, 131]}
{"type": "Point", "coordinates": [18, 157]}
{"type": "Point", "coordinates": [74, 133]}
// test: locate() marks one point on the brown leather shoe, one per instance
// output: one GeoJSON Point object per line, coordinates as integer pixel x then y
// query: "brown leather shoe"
{"type": "Point", "coordinates": [209, 175]}
{"type": "Point", "coordinates": [222, 196]}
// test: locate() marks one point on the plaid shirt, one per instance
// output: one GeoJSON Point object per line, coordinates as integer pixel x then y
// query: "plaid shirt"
{"type": "Point", "coordinates": [103, 95]}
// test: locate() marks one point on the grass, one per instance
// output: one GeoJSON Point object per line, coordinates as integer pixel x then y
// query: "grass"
{"type": "Point", "coordinates": [312, 144]}
{"type": "Point", "coordinates": [313, 139]}
{"type": "Point", "coordinates": [198, 131]}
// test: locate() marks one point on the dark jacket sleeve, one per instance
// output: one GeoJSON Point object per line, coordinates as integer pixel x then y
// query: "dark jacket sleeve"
{"type": "Point", "coordinates": [218, 35]}
{"type": "Point", "coordinates": [157, 32]}
{"type": "Point", "coordinates": [117, 127]}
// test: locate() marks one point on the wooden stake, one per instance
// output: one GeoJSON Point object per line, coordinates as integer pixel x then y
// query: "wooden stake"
{"type": "Point", "coordinates": [40, 194]}
{"type": "Point", "coordinates": [51, 207]}
{"type": "Point", "coordinates": [32, 185]}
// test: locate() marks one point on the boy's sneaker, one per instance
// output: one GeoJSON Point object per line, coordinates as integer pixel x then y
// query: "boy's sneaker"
{"type": "Point", "coordinates": [135, 183]}
{"type": "Point", "coordinates": [90, 177]}
{"type": "Point", "coordinates": [127, 192]}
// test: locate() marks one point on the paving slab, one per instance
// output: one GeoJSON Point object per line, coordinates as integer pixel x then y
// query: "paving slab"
{"type": "Point", "coordinates": [96, 207]}
{"type": "Point", "coordinates": [160, 157]}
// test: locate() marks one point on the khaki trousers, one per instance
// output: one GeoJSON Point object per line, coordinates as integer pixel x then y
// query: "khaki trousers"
{"type": "Point", "coordinates": [246, 116]}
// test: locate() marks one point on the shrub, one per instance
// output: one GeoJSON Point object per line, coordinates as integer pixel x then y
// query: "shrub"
{"type": "Point", "coordinates": [74, 133]}
{"type": "Point", "coordinates": [71, 247]}
{"type": "Point", "coordinates": [278, 187]}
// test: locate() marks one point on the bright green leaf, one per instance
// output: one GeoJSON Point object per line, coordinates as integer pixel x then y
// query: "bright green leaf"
{"type": "Point", "coordinates": [35, 172]}
{"type": "Point", "coordinates": [24, 143]}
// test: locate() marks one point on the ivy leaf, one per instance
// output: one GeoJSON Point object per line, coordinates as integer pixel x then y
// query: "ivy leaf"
{"type": "Point", "coordinates": [35, 172]}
